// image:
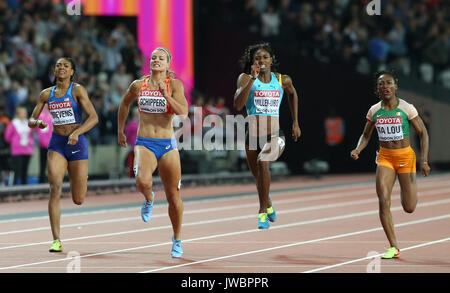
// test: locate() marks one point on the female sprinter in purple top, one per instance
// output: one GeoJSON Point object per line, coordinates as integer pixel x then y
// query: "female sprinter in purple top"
{"type": "Point", "coordinates": [68, 147]}
{"type": "Point", "coordinates": [159, 96]}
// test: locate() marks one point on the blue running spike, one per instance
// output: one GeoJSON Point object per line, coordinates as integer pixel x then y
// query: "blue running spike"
{"type": "Point", "coordinates": [146, 210]}
{"type": "Point", "coordinates": [177, 251]}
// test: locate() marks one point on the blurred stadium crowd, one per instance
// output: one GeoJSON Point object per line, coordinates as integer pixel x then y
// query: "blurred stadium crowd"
{"type": "Point", "coordinates": [411, 35]}
{"type": "Point", "coordinates": [34, 34]}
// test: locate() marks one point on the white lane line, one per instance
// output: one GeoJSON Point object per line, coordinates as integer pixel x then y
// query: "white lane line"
{"type": "Point", "coordinates": [299, 243]}
{"type": "Point", "coordinates": [378, 255]}
{"type": "Point", "coordinates": [248, 216]}
{"type": "Point", "coordinates": [224, 208]}
{"type": "Point", "coordinates": [321, 220]}
{"type": "Point", "coordinates": [216, 198]}
{"type": "Point", "coordinates": [304, 192]}
{"type": "Point", "coordinates": [198, 211]}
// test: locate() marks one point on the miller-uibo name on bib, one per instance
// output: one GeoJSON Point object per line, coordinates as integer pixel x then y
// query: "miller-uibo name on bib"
{"type": "Point", "coordinates": [389, 128]}
{"type": "Point", "coordinates": [62, 113]}
{"type": "Point", "coordinates": [152, 102]}
{"type": "Point", "coordinates": [267, 102]}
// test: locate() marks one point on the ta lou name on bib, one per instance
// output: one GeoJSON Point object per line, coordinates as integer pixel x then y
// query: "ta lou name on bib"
{"type": "Point", "coordinates": [267, 101]}
{"type": "Point", "coordinates": [62, 113]}
{"type": "Point", "coordinates": [152, 102]}
{"type": "Point", "coordinates": [389, 128]}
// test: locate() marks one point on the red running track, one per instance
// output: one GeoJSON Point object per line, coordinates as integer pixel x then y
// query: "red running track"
{"type": "Point", "coordinates": [329, 225]}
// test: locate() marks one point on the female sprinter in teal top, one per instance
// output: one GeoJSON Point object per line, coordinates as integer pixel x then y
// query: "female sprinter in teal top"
{"type": "Point", "coordinates": [260, 89]}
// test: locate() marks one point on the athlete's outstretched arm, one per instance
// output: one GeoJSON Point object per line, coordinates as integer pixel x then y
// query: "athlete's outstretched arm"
{"type": "Point", "coordinates": [177, 101]}
{"type": "Point", "coordinates": [363, 140]}
{"type": "Point", "coordinates": [424, 144]}
{"type": "Point", "coordinates": [124, 108]}
{"type": "Point", "coordinates": [290, 90]}
{"type": "Point", "coordinates": [33, 121]}
{"type": "Point", "coordinates": [92, 118]}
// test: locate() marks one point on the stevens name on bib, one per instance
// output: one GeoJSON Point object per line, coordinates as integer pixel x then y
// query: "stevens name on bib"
{"type": "Point", "coordinates": [62, 113]}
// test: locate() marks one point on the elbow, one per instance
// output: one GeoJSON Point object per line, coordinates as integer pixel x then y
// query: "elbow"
{"type": "Point", "coordinates": [95, 119]}
{"type": "Point", "coordinates": [183, 114]}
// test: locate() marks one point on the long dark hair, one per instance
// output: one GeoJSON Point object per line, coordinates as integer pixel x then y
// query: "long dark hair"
{"type": "Point", "coordinates": [246, 60]}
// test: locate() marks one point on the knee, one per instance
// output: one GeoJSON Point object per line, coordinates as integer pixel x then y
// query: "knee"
{"type": "Point", "coordinates": [143, 185]}
{"type": "Point", "coordinates": [78, 201]}
{"type": "Point", "coordinates": [55, 189]}
{"type": "Point", "coordinates": [262, 164]}
{"type": "Point", "coordinates": [409, 208]}
{"type": "Point", "coordinates": [173, 198]}
{"type": "Point", "coordinates": [384, 203]}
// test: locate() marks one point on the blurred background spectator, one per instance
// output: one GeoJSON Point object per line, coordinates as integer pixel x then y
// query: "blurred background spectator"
{"type": "Point", "coordinates": [44, 135]}
{"type": "Point", "coordinates": [4, 146]}
{"type": "Point", "coordinates": [20, 139]}
{"type": "Point", "coordinates": [34, 34]}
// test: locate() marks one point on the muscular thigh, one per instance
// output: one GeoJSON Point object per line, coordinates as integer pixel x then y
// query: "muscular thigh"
{"type": "Point", "coordinates": [169, 168]}
{"type": "Point", "coordinates": [385, 180]}
{"type": "Point", "coordinates": [56, 167]}
{"type": "Point", "coordinates": [408, 186]}
{"type": "Point", "coordinates": [144, 163]}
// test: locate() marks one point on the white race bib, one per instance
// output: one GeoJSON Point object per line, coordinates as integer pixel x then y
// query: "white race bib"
{"type": "Point", "coordinates": [389, 128]}
{"type": "Point", "coordinates": [152, 102]}
{"type": "Point", "coordinates": [62, 113]}
{"type": "Point", "coordinates": [266, 101]}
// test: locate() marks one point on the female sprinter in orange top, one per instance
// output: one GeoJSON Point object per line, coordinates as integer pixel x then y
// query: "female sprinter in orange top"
{"type": "Point", "coordinates": [392, 117]}
{"type": "Point", "coordinates": [159, 97]}
{"type": "Point", "coordinates": [68, 147]}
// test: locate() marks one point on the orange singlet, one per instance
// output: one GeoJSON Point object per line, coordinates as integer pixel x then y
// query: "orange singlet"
{"type": "Point", "coordinates": [152, 101]}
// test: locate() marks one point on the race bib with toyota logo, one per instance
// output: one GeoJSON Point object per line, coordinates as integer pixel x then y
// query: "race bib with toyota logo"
{"type": "Point", "coordinates": [267, 101]}
{"type": "Point", "coordinates": [389, 128]}
{"type": "Point", "coordinates": [62, 113]}
{"type": "Point", "coordinates": [152, 102]}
